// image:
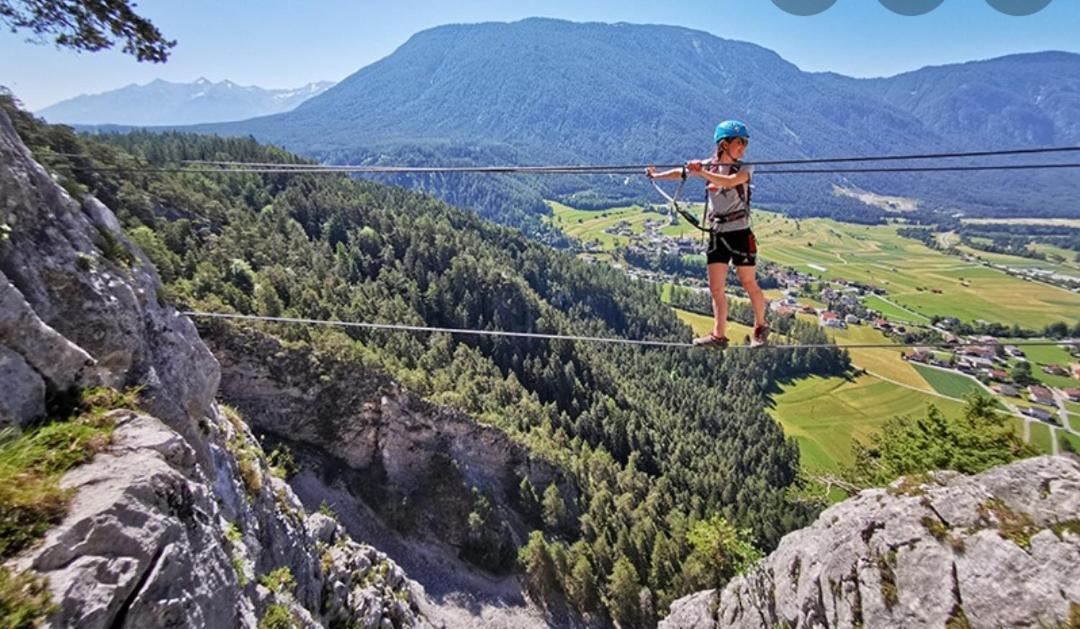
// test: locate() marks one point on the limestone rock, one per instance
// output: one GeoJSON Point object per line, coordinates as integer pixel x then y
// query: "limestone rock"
{"type": "Point", "coordinates": [366, 425]}
{"type": "Point", "coordinates": [79, 303]}
{"type": "Point", "coordinates": [24, 390]}
{"type": "Point", "coordinates": [691, 611]}
{"type": "Point", "coordinates": [138, 546]}
{"type": "Point", "coordinates": [1001, 548]}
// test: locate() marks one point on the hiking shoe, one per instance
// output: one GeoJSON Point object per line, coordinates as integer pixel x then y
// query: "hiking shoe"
{"type": "Point", "coordinates": [711, 340]}
{"type": "Point", "coordinates": [761, 335]}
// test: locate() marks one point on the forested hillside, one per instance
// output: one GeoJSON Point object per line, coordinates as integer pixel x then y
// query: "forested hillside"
{"type": "Point", "coordinates": [657, 441]}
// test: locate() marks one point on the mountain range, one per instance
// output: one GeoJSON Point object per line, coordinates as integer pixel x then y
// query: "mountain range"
{"type": "Point", "coordinates": [549, 91]}
{"type": "Point", "coordinates": [165, 103]}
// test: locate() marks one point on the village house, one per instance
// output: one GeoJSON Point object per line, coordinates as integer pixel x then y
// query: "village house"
{"type": "Point", "coordinates": [1037, 413]}
{"type": "Point", "coordinates": [1007, 390]}
{"type": "Point", "coordinates": [1014, 351]}
{"type": "Point", "coordinates": [1041, 395]}
{"type": "Point", "coordinates": [831, 320]}
{"type": "Point", "coordinates": [919, 356]}
{"type": "Point", "coordinates": [1073, 395]}
{"type": "Point", "coordinates": [983, 352]}
{"type": "Point", "coordinates": [1055, 370]}
{"type": "Point", "coordinates": [998, 374]}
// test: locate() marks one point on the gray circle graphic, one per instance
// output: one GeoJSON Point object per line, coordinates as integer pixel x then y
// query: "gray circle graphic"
{"type": "Point", "coordinates": [1019, 7]}
{"type": "Point", "coordinates": [804, 7]}
{"type": "Point", "coordinates": [911, 7]}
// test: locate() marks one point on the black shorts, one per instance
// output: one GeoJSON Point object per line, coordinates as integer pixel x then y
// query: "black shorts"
{"type": "Point", "coordinates": [738, 247]}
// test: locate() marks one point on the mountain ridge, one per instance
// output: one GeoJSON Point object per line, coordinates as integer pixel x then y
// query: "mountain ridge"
{"type": "Point", "coordinates": [200, 101]}
{"type": "Point", "coordinates": [544, 91]}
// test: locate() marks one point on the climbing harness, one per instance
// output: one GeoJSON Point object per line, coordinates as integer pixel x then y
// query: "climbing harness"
{"type": "Point", "coordinates": [714, 219]}
{"type": "Point", "coordinates": [707, 223]}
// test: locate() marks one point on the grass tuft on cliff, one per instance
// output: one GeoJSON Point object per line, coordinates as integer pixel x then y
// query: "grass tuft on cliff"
{"type": "Point", "coordinates": [31, 499]}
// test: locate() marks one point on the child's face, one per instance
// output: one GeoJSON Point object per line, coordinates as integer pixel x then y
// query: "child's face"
{"type": "Point", "coordinates": [736, 147]}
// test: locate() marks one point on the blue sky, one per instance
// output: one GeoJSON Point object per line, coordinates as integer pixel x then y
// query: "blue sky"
{"type": "Point", "coordinates": [286, 43]}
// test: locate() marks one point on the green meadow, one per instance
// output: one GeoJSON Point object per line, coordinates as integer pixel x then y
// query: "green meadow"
{"type": "Point", "coordinates": [826, 415]}
{"type": "Point", "coordinates": [949, 383]}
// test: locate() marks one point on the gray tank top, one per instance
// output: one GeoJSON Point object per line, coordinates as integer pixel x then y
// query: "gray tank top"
{"type": "Point", "coordinates": [725, 204]}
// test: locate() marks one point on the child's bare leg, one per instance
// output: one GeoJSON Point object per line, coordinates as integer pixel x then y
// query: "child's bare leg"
{"type": "Point", "coordinates": [757, 298]}
{"type": "Point", "coordinates": [717, 280]}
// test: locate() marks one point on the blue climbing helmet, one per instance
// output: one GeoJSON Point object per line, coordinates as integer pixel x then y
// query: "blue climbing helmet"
{"type": "Point", "coordinates": [731, 129]}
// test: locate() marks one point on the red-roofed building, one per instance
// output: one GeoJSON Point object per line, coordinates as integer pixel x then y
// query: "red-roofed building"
{"type": "Point", "coordinates": [1072, 394]}
{"type": "Point", "coordinates": [831, 319]}
{"type": "Point", "coordinates": [1041, 395]}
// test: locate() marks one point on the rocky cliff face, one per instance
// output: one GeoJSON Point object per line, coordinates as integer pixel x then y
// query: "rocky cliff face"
{"type": "Point", "coordinates": [999, 549]}
{"type": "Point", "coordinates": [400, 472]}
{"type": "Point", "coordinates": [180, 521]}
{"type": "Point", "coordinates": [403, 449]}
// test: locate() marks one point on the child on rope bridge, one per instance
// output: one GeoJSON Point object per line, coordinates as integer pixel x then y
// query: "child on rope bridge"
{"type": "Point", "coordinates": [731, 241]}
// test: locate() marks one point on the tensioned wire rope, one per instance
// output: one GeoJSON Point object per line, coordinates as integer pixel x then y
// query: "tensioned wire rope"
{"type": "Point", "coordinates": [593, 339]}
{"type": "Point", "coordinates": [209, 167]}
{"type": "Point", "coordinates": [214, 166]}
{"type": "Point", "coordinates": [633, 168]}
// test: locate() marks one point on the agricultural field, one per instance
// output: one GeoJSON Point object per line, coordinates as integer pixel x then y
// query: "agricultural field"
{"type": "Point", "coordinates": [589, 225]}
{"type": "Point", "coordinates": [910, 272]}
{"type": "Point", "coordinates": [1062, 222]}
{"type": "Point", "coordinates": [884, 363]}
{"type": "Point", "coordinates": [894, 312]}
{"type": "Point", "coordinates": [1067, 266]}
{"type": "Point", "coordinates": [949, 383]}
{"type": "Point", "coordinates": [921, 282]}
{"type": "Point", "coordinates": [1041, 436]}
{"type": "Point", "coordinates": [826, 415]}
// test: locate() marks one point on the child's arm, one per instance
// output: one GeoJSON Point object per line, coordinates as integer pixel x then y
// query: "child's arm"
{"type": "Point", "coordinates": [724, 181]}
{"type": "Point", "coordinates": [674, 173]}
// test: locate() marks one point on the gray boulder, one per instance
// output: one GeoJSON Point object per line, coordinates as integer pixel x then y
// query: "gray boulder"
{"type": "Point", "coordinates": [997, 549]}
{"type": "Point", "coordinates": [139, 546]}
